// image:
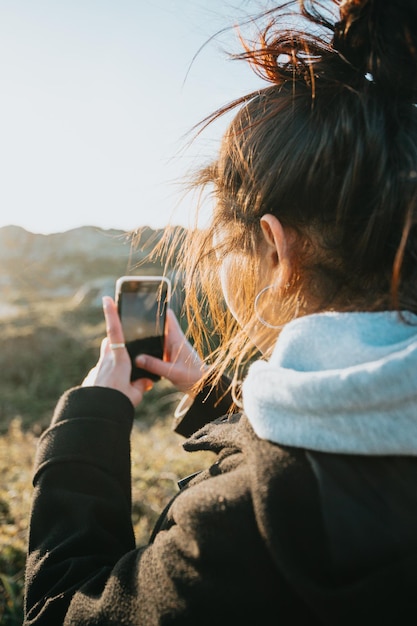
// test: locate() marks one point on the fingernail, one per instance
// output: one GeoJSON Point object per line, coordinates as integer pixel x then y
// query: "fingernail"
{"type": "Point", "coordinates": [140, 360]}
{"type": "Point", "coordinates": [105, 300]}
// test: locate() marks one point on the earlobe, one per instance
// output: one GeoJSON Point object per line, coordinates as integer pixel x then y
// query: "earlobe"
{"type": "Point", "coordinates": [277, 248]}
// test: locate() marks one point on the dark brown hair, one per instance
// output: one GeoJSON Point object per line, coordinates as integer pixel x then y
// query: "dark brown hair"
{"type": "Point", "coordinates": [329, 146]}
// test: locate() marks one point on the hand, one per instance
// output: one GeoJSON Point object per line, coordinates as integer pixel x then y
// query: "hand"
{"type": "Point", "coordinates": [114, 367]}
{"type": "Point", "coordinates": [181, 365]}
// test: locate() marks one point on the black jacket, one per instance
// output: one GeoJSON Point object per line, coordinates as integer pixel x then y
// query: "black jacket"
{"type": "Point", "coordinates": [266, 535]}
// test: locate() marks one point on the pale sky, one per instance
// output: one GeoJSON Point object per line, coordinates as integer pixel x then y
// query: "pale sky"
{"type": "Point", "coordinates": [94, 107]}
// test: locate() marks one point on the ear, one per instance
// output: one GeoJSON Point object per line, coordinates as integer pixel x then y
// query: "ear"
{"type": "Point", "coordinates": [277, 247]}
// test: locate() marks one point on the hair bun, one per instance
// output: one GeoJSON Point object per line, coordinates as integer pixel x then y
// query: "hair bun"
{"type": "Point", "coordinates": [379, 38]}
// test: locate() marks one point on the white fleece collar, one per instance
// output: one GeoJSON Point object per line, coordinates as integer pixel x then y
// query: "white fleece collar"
{"type": "Point", "coordinates": [339, 382]}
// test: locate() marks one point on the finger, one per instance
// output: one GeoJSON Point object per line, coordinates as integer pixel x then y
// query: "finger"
{"type": "Point", "coordinates": [175, 331]}
{"type": "Point", "coordinates": [143, 384]}
{"type": "Point", "coordinates": [113, 324]}
{"type": "Point", "coordinates": [154, 365]}
{"type": "Point", "coordinates": [176, 341]}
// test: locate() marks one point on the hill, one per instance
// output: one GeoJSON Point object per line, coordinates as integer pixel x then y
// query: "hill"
{"type": "Point", "coordinates": [35, 266]}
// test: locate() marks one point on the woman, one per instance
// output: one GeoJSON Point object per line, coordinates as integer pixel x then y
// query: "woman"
{"type": "Point", "coordinates": [309, 513]}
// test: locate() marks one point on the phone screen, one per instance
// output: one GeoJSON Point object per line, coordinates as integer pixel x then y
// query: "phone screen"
{"type": "Point", "coordinates": [142, 304]}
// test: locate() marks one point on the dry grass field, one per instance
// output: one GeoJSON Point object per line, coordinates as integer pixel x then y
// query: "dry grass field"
{"type": "Point", "coordinates": [45, 349]}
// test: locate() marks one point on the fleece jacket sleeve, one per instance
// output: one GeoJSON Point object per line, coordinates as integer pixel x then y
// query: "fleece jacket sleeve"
{"type": "Point", "coordinates": [82, 500]}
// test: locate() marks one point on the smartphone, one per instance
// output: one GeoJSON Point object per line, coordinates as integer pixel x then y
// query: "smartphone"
{"type": "Point", "coordinates": [142, 302]}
